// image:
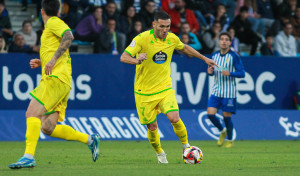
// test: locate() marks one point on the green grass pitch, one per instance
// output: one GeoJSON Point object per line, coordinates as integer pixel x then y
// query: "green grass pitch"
{"type": "Point", "coordinates": [137, 158]}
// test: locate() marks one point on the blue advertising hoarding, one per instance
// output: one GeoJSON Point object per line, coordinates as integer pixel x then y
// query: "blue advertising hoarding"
{"type": "Point", "coordinates": [125, 125]}
{"type": "Point", "coordinates": [103, 82]}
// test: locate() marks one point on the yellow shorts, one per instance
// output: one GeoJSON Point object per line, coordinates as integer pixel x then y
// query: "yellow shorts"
{"type": "Point", "coordinates": [53, 94]}
{"type": "Point", "coordinates": [148, 107]}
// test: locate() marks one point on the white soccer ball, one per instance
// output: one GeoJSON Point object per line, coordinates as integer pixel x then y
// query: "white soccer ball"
{"type": "Point", "coordinates": [192, 155]}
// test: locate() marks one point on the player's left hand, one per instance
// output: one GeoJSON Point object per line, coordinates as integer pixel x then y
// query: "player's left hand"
{"type": "Point", "coordinates": [225, 73]}
{"type": "Point", "coordinates": [49, 66]}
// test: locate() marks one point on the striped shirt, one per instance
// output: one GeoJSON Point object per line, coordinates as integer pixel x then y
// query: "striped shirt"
{"type": "Point", "coordinates": [225, 86]}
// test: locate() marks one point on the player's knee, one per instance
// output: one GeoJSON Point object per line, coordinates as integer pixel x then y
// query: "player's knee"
{"type": "Point", "coordinates": [47, 128]}
{"type": "Point", "coordinates": [173, 116]}
{"type": "Point", "coordinates": [152, 127]}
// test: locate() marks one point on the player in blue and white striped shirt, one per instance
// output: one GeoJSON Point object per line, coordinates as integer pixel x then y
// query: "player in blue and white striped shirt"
{"type": "Point", "coordinates": [224, 89]}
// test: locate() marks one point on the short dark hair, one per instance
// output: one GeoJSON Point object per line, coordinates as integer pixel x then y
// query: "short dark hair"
{"type": "Point", "coordinates": [244, 9]}
{"type": "Point", "coordinates": [225, 33]}
{"type": "Point", "coordinates": [2, 2]}
{"type": "Point", "coordinates": [25, 22]}
{"type": "Point", "coordinates": [51, 7]}
{"type": "Point", "coordinates": [97, 7]}
{"type": "Point", "coordinates": [161, 15]}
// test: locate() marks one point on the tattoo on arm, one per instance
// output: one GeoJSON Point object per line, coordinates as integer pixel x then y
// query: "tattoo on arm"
{"type": "Point", "coordinates": [64, 44]}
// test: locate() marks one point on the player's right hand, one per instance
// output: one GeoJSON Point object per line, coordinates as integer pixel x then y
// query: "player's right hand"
{"type": "Point", "coordinates": [142, 57]}
{"type": "Point", "coordinates": [34, 63]}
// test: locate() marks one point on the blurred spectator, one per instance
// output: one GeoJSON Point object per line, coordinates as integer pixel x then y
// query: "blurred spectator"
{"type": "Point", "coordinates": [230, 7]}
{"type": "Point", "coordinates": [295, 20]}
{"type": "Point", "coordinates": [257, 23]}
{"type": "Point", "coordinates": [19, 46]}
{"type": "Point", "coordinates": [285, 43]}
{"type": "Point", "coordinates": [210, 39]}
{"type": "Point", "coordinates": [194, 5]}
{"type": "Point", "coordinates": [207, 7]}
{"type": "Point", "coordinates": [287, 8]}
{"type": "Point", "coordinates": [89, 6]}
{"type": "Point", "coordinates": [112, 41]}
{"type": "Point", "coordinates": [127, 20]}
{"type": "Point", "coordinates": [110, 11]}
{"type": "Point", "coordinates": [180, 15]}
{"type": "Point", "coordinates": [5, 25]}
{"type": "Point", "coordinates": [184, 37]}
{"type": "Point", "coordinates": [3, 48]}
{"type": "Point", "coordinates": [90, 27]}
{"type": "Point", "coordinates": [29, 35]}
{"type": "Point", "coordinates": [146, 15]}
{"type": "Point", "coordinates": [243, 31]}
{"type": "Point", "coordinates": [137, 29]}
{"type": "Point", "coordinates": [72, 17]}
{"type": "Point", "coordinates": [220, 16]}
{"type": "Point", "coordinates": [266, 10]}
{"type": "Point", "coordinates": [267, 48]}
{"type": "Point", "coordinates": [193, 40]}
{"type": "Point", "coordinates": [235, 41]}
{"type": "Point", "coordinates": [138, 4]}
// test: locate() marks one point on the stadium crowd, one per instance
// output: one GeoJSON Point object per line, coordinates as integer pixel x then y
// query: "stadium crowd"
{"type": "Point", "coordinates": [269, 27]}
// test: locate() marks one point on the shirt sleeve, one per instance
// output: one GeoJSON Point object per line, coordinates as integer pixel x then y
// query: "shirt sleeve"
{"type": "Point", "coordinates": [135, 46]}
{"type": "Point", "coordinates": [57, 26]}
{"type": "Point", "coordinates": [179, 45]}
{"type": "Point", "coordinates": [239, 68]}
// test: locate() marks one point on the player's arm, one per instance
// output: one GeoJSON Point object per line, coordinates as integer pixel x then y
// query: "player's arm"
{"type": "Point", "coordinates": [63, 47]}
{"type": "Point", "coordinates": [126, 58]}
{"type": "Point", "coordinates": [192, 52]}
{"type": "Point", "coordinates": [239, 69]}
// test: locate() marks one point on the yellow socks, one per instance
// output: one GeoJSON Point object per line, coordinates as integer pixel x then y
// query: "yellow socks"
{"type": "Point", "coordinates": [180, 131]}
{"type": "Point", "coordinates": [68, 133]}
{"type": "Point", "coordinates": [32, 134]}
{"type": "Point", "coordinates": [154, 140]}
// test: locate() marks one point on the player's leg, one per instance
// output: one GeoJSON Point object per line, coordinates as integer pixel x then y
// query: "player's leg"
{"type": "Point", "coordinates": [212, 109]}
{"type": "Point", "coordinates": [229, 107]}
{"type": "Point", "coordinates": [179, 128]}
{"type": "Point", "coordinates": [229, 127]}
{"type": "Point", "coordinates": [169, 106]}
{"type": "Point", "coordinates": [154, 139]}
{"type": "Point", "coordinates": [33, 115]}
{"type": "Point", "coordinates": [50, 128]}
{"type": "Point", "coordinates": [147, 112]}
{"type": "Point", "coordinates": [66, 132]}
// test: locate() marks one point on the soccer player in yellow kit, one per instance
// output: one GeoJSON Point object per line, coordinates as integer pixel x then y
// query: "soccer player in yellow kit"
{"type": "Point", "coordinates": [49, 101]}
{"type": "Point", "coordinates": [153, 85]}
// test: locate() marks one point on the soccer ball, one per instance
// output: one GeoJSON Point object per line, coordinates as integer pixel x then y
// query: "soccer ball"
{"type": "Point", "coordinates": [192, 155]}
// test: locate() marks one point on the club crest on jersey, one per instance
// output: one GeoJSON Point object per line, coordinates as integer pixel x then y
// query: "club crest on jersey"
{"type": "Point", "coordinates": [160, 57]}
{"type": "Point", "coordinates": [132, 44]}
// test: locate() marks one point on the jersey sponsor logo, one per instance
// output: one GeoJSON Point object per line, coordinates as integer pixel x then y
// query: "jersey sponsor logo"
{"type": "Point", "coordinates": [132, 44]}
{"type": "Point", "coordinates": [160, 57]}
{"type": "Point", "coordinates": [209, 128]}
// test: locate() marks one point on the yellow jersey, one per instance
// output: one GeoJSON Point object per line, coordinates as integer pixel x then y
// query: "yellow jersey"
{"type": "Point", "coordinates": [50, 41]}
{"type": "Point", "coordinates": [154, 74]}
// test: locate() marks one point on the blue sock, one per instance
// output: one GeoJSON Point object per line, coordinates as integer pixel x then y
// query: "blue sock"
{"type": "Point", "coordinates": [215, 121]}
{"type": "Point", "coordinates": [229, 126]}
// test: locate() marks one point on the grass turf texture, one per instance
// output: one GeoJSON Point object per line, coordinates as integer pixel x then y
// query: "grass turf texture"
{"type": "Point", "coordinates": [124, 158]}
